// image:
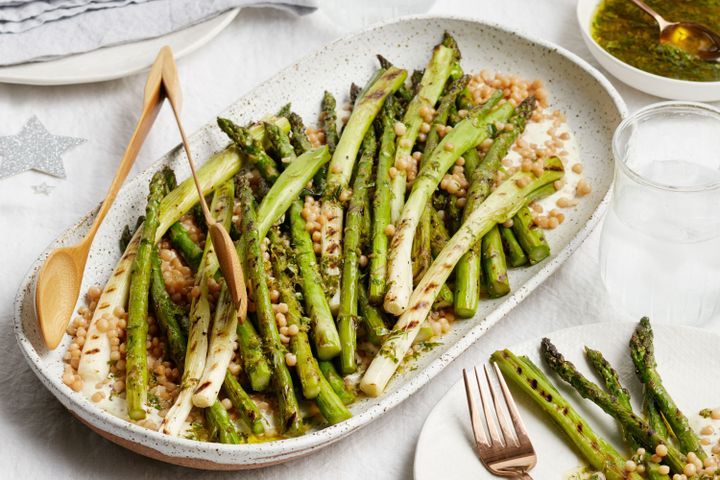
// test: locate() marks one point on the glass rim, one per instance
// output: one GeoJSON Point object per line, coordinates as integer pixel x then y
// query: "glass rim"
{"type": "Point", "coordinates": [649, 111]}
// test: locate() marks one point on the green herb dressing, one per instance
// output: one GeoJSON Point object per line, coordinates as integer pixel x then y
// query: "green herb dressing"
{"type": "Point", "coordinates": [631, 35]}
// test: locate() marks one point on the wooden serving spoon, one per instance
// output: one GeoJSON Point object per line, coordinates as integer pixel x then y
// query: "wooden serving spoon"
{"type": "Point", "coordinates": [223, 244]}
{"type": "Point", "coordinates": [59, 279]}
{"type": "Point", "coordinates": [694, 38]}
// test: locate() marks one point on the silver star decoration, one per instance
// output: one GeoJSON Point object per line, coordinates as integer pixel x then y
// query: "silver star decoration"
{"type": "Point", "coordinates": [42, 188]}
{"type": "Point", "coordinates": [34, 148]}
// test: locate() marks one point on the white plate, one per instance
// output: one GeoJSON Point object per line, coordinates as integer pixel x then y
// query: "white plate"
{"type": "Point", "coordinates": [593, 107]}
{"type": "Point", "coordinates": [646, 82]}
{"type": "Point", "coordinates": [445, 449]}
{"type": "Point", "coordinates": [115, 62]}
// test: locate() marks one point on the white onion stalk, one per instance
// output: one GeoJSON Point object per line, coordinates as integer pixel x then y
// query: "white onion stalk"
{"type": "Point", "coordinates": [95, 361]}
{"type": "Point", "coordinates": [340, 170]}
{"type": "Point", "coordinates": [465, 135]}
{"type": "Point", "coordinates": [222, 338]}
{"type": "Point", "coordinates": [431, 86]}
{"type": "Point", "coordinates": [194, 365]}
{"type": "Point", "coordinates": [499, 207]}
{"type": "Point", "coordinates": [200, 316]}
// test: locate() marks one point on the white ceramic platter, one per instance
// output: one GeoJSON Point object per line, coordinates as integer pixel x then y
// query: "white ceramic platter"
{"type": "Point", "coordinates": [117, 61]}
{"type": "Point", "coordinates": [646, 82]}
{"type": "Point", "coordinates": [593, 108]}
{"type": "Point", "coordinates": [445, 447]}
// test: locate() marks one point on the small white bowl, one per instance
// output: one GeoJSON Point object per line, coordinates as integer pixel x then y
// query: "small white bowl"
{"type": "Point", "coordinates": [647, 82]}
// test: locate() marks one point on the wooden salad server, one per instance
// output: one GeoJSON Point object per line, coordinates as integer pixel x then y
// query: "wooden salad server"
{"type": "Point", "coordinates": [59, 280]}
{"type": "Point", "coordinates": [223, 244]}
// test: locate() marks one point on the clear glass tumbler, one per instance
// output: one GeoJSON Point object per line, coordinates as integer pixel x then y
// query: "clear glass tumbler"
{"type": "Point", "coordinates": [660, 245]}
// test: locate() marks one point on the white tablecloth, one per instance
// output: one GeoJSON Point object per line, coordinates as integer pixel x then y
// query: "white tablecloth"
{"type": "Point", "coordinates": [38, 438]}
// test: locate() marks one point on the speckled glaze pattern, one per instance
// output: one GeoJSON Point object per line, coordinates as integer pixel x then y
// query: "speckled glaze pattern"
{"type": "Point", "coordinates": [593, 109]}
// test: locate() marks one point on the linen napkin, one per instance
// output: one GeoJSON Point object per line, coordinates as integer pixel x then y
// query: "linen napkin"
{"type": "Point", "coordinates": [38, 30]}
{"type": "Point", "coordinates": [20, 15]}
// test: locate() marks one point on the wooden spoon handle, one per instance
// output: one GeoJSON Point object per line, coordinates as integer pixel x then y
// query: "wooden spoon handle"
{"type": "Point", "coordinates": [152, 102]}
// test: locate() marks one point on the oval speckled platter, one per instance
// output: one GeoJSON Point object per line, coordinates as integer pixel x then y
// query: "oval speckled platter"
{"type": "Point", "coordinates": [593, 111]}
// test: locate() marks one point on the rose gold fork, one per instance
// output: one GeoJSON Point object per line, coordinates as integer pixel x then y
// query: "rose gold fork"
{"type": "Point", "coordinates": [508, 452]}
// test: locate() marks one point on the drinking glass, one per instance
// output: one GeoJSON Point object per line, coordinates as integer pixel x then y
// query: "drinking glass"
{"type": "Point", "coordinates": [660, 244]}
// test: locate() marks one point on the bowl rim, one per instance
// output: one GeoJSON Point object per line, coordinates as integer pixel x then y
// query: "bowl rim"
{"type": "Point", "coordinates": [631, 121]}
{"type": "Point", "coordinates": [297, 446]}
{"type": "Point", "coordinates": [585, 29]}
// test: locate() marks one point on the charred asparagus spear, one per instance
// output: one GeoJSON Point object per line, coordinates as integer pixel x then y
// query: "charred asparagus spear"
{"type": "Point", "coordinates": [635, 426]}
{"type": "Point", "coordinates": [299, 137]}
{"type": "Point", "coordinates": [443, 112]}
{"type": "Point", "coordinates": [255, 364]}
{"type": "Point", "coordinates": [611, 380]}
{"type": "Point", "coordinates": [530, 237]}
{"type": "Point", "coordinates": [328, 121]}
{"type": "Point", "coordinates": [243, 404]}
{"type": "Point", "coordinates": [289, 414]}
{"type": "Point", "coordinates": [221, 426]}
{"type": "Point", "coordinates": [305, 366]}
{"type": "Point", "coordinates": [494, 268]}
{"type": "Point", "coordinates": [325, 334]}
{"type": "Point", "coordinates": [467, 278]}
{"type": "Point", "coordinates": [642, 352]}
{"type": "Point", "coordinates": [348, 312]}
{"type": "Point", "coordinates": [336, 382]}
{"type": "Point", "coordinates": [428, 92]}
{"type": "Point", "coordinates": [137, 325]}
{"type": "Point", "coordinates": [170, 316]}
{"type": "Point", "coordinates": [372, 317]}
{"type": "Point", "coordinates": [280, 143]}
{"type": "Point", "coordinates": [251, 147]}
{"type": "Point", "coordinates": [189, 250]}
{"type": "Point", "coordinates": [330, 403]}
{"type": "Point", "coordinates": [381, 202]}
{"type": "Point", "coordinates": [514, 253]}
{"type": "Point", "coordinates": [528, 377]}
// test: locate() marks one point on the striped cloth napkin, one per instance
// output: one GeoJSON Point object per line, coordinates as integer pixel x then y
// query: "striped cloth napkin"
{"type": "Point", "coordinates": [38, 30]}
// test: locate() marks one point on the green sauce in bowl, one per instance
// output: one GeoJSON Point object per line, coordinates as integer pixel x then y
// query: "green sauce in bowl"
{"type": "Point", "coordinates": [631, 35]}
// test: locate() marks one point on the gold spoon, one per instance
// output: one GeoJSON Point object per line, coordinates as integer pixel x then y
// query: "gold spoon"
{"type": "Point", "coordinates": [223, 244]}
{"type": "Point", "coordinates": [59, 279]}
{"type": "Point", "coordinates": [694, 38]}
